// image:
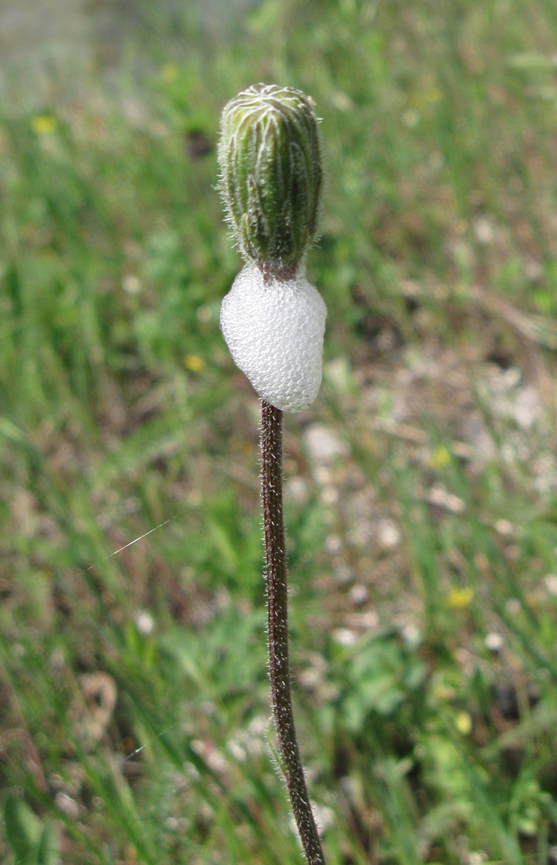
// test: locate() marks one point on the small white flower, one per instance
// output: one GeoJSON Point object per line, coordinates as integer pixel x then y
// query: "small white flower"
{"type": "Point", "coordinates": [144, 622]}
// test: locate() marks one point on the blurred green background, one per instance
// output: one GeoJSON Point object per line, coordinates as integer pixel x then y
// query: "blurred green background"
{"type": "Point", "coordinates": [421, 488]}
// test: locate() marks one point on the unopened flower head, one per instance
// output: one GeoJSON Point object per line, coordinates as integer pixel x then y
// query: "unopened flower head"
{"type": "Point", "coordinates": [271, 175]}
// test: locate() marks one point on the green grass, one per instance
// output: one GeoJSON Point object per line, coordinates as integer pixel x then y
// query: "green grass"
{"type": "Point", "coordinates": [121, 414]}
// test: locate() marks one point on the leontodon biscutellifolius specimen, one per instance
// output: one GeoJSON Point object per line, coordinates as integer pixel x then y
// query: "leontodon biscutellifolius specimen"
{"type": "Point", "coordinates": [273, 321]}
{"type": "Point", "coordinates": [271, 178]}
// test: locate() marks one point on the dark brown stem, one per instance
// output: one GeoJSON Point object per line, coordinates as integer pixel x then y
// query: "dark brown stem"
{"type": "Point", "coordinates": [277, 608]}
{"type": "Point", "coordinates": [275, 270]}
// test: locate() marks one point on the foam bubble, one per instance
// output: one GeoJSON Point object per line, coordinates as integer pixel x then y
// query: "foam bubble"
{"type": "Point", "coordinates": [274, 329]}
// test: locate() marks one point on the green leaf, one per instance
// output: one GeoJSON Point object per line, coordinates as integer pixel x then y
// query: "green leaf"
{"type": "Point", "coordinates": [23, 830]}
{"type": "Point", "coordinates": [48, 851]}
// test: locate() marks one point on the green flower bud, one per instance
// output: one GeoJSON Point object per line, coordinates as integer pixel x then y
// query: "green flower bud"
{"type": "Point", "coordinates": [271, 174]}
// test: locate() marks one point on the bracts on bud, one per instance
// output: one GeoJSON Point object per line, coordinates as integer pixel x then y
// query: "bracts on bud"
{"type": "Point", "coordinates": [271, 175]}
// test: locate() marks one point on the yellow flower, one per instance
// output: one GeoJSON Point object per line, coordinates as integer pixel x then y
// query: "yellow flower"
{"type": "Point", "coordinates": [459, 599]}
{"type": "Point", "coordinates": [432, 95]}
{"type": "Point", "coordinates": [194, 363]}
{"type": "Point", "coordinates": [440, 457]}
{"type": "Point", "coordinates": [169, 72]}
{"type": "Point", "coordinates": [463, 723]}
{"type": "Point", "coordinates": [43, 124]}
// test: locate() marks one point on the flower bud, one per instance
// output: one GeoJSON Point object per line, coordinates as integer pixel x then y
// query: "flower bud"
{"type": "Point", "coordinates": [271, 175]}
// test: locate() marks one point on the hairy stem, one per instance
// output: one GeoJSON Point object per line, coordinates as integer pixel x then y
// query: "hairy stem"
{"type": "Point", "coordinates": [277, 608]}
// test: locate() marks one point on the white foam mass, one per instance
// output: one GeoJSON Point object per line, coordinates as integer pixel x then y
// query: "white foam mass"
{"type": "Point", "coordinates": [274, 329]}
